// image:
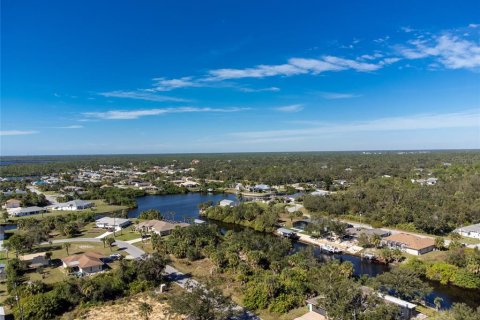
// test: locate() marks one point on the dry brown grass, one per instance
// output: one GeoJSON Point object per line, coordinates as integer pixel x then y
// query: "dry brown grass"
{"type": "Point", "coordinates": [126, 309]}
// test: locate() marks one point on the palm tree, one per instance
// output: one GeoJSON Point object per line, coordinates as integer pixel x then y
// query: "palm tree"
{"type": "Point", "coordinates": [145, 310]}
{"type": "Point", "coordinates": [110, 242]}
{"type": "Point", "coordinates": [67, 245]}
{"type": "Point", "coordinates": [438, 303]}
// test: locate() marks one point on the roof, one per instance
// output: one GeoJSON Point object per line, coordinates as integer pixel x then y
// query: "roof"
{"type": "Point", "coordinates": [160, 226]}
{"type": "Point", "coordinates": [399, 302]}
{"type": "Point", "coordinates": [111, 221]}
{"type": "Point", "coordinates": [84, 260]}
{"type": "Point", "coordinates": [311, 315]}
{"type": "Point", "coordinates": [28, 209]}
{"type": "Point", "coordinates": [285, 231]}
{"type": "Point", "coordinates": [13, 200]}
{"type": "Point", "coordinates": [411, 241]}
{"type": "Point", "coordinates": [470, 228]}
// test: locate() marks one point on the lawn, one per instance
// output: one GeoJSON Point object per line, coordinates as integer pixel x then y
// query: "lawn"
{"type": "Point", "coordinates": [102, 207]}
{"type": "Point", "coordinates": [127, 234]}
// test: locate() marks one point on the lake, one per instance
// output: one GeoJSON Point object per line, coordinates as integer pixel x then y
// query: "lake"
{"type": "Point", "coordinates": [185, 206]}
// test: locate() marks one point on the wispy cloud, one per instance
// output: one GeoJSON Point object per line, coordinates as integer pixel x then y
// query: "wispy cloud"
{"type": "Point", "coordinates": [17, 132]}
{"type": "Point", "coordinates": [414, 122]}
{"type": "Point", "coordinates": [269, 89]}
{"type": "Point", "coordinates": [338, 95]}
{"type": "Point", "coordinates": [163, 84]}
{"type": "Point", "coordinates": [290, 108]}
{"type": "Point", "coordinates": [140, 95]}
{"type": "Point", "coordinates": [449, 50]}
{"type": "Point", "coordinates": [135, 114]}
{"type": "Point", "coordinates": [295, 66]}
{"type": "Point", "coordinates": [74, 126]}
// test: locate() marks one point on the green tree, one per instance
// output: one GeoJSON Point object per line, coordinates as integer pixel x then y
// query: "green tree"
{"type": "Point", "coordinates": [203, 303]}
{"type": "Point", "coordinates": [404, 283]}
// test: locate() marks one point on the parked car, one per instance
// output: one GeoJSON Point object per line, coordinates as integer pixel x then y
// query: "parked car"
{"type": "Point", "coordinates": [115, 256]}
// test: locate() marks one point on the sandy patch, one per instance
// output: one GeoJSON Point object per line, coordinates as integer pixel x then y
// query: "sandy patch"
{"type": "Point", "coordinates": [129, 309]}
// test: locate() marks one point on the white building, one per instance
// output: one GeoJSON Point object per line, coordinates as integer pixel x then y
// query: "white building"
{"type": "Point", "coordinates": [20, 212]}
{"type": "Point", "coordinates": [226, 203]}
{"type": "Point", "coordinates": [472, 231]}
{"type": "Point", "coordinates": [73, 205]}
{"type": "Point", "coordinates": [109, 222]}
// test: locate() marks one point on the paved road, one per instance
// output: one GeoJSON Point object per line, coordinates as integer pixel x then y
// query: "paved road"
{"type": "Point", "coordinates": [50, 198]}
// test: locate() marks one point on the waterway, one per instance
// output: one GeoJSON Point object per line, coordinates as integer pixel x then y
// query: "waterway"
{"type": "Point", "coordinates": [185, 208]}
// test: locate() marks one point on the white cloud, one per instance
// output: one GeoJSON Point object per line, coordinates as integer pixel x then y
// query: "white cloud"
{"type": "Point", "coordinates": [162, 84]}
{"type": "Point", "coordinates": [338, 95]}
{"type": "Point", "coordinates": [295, 66]}
{"type": "Point", "coordinates": [449, 50]}
{"type": "Point", "coordinates": [140, 95]}
{"type": "Point", "coordinates": [407, 29]}
{"type": "Point", "coordinates": [74, 126]}
{"type": "Point", "coordinates": [17, 132]}
{"type": "Point", "coordinates": [414, 122]}
{"type": "Point", "coordinates": [473, 25]}
{"type": "Point", "coordinates": [135, 114]}
{"type": "Point", "coordinates": [269, 89]}
{"type": "Point", "coordinates": [290, 108]}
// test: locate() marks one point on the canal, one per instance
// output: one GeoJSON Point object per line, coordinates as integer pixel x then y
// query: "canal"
{"type": "Point", "coordinates": [185, 207]}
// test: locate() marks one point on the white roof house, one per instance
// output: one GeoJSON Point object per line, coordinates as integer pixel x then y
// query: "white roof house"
{"type": "Point", "coordinates": [319, 192]}
{"type": "Point", "coordinates": [471, 231]}
{"type": "Point", "coordinates": [19, 212]}
{"type": "Point", "coordinates": [73, 205]}
{"type": "Point", "coordinates": [109, 222]}
{"type": "Point", "coordinates": [226, 203]}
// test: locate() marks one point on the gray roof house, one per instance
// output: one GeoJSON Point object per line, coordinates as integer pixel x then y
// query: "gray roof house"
{"type": "Point", "coordinates": [471, 231]}
{"type": "Point", "coordinates": [73, 205]}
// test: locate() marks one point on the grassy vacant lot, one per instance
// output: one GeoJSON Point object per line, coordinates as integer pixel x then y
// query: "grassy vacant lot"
{"type": "Point", "coordinates": [102, 207]}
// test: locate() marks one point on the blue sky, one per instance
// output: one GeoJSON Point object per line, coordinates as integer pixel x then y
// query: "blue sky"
{"type": "Point", "coordinates": [91, 77]}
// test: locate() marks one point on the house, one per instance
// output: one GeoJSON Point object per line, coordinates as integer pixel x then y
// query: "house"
{"type": "Point", "coordinates": [12, 203]}
{"type": "Point", "coordinates": [293, 197]}
{"type": "Point", "coordinates": [189, 184]}
{"type": "Point", "coordinates": [410, 243]}
{"type": "Point", "coordinates": [12, 192]}
{"type": "Point", "coordinates": [73, 205]}
{"type": "Point", "coordinates": [162, 228]}
{"type": "Point", "coordinates": [20, 212]}
{"type": "Point", "coordinates": [472, 231]}
{"type": "Point", "coordinates": [261, 188]}
{"type": "Point", "coordinates": [356, 232]}
{"type": "Point", "coordinates": [226, 203]}
{"type": "Point", "coordinates": [319, 192]}
{"type": "Point", "coordinates": [35, 260]}
{"type": "Point", "coordinates": [295, 207]}
{"type": "Point", "coordinates": [88, 262]}
{"type": "Point", "coordinates": [109, 222]}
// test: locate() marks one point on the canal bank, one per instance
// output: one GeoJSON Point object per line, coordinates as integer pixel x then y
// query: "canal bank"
{"type": "Point", "coordinates": [185, 206]}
